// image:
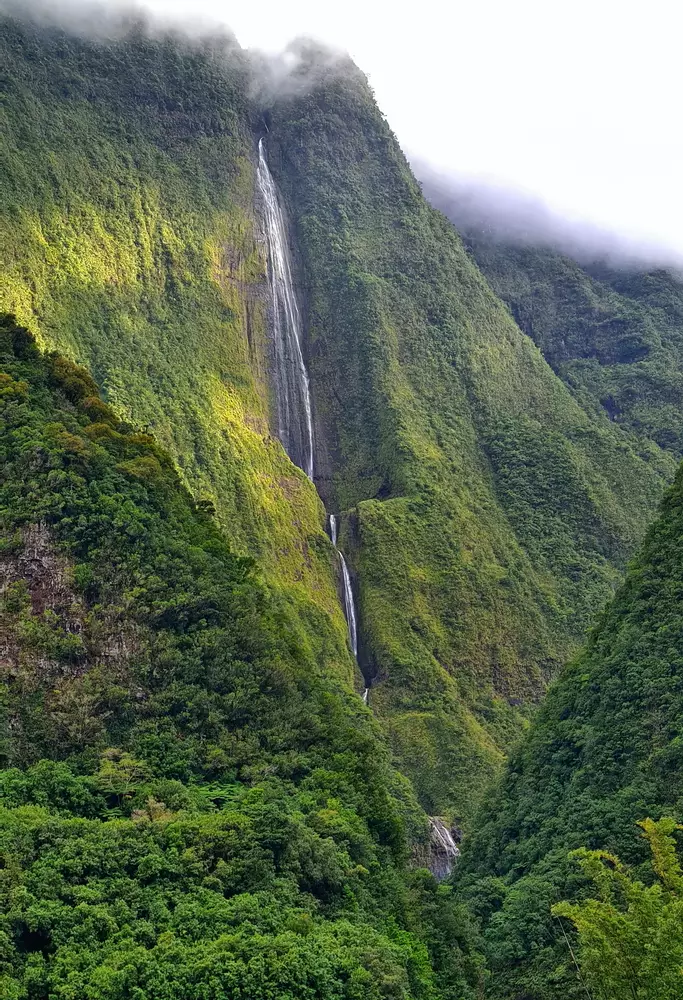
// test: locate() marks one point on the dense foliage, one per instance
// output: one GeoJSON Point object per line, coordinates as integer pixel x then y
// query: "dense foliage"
{"type": "Point", "coordinates": [604, 751]}
{"type": "Point", "coordinates": [189, 806]}
{"type": "Point", "coordinates": [488, 512]}
{"type": "Point", "coordinates": [631, 936]}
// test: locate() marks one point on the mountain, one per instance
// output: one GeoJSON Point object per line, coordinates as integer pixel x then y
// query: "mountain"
{"type": "Point", "coordinates": [194, 799]}
{"type": "Point", "coordinates": [603, 753]}
{"type": "Point", "coordinates": [612, 334]}
{"type": "Point", "coordinates": [444, 439]}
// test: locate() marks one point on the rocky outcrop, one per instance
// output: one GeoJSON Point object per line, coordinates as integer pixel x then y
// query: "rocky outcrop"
{"type": "Point", "coordinates": [51, 644]}
{"type": "Point", "coordinates": [443, 849]}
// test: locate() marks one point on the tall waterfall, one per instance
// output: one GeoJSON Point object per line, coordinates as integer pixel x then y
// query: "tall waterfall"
{"type": "Point", "coordinates": [295, 423]}
{"type": "Point", "coordinates": [349, 602]}
{"type": "Point", "coordinates": [294, 415]}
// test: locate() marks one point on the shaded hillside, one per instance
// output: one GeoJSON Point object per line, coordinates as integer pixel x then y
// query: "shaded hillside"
{"type": "Point", "coordinates": [488, 513]}
{"type": "Point", "coordinates": [189, 803]}
{"type": "Point", "coordinates": [604, 752]}
{"type": "Point", "coordinates": [614, 336]}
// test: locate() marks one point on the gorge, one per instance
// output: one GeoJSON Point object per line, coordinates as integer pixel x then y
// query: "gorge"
{"type": "Point", "coordinates": [277, 440]}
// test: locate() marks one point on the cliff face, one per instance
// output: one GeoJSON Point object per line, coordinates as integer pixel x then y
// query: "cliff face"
{"type": "Point", "coordinates": [486, 511]}
{"type": "Point", "coordinates": [486, 514]}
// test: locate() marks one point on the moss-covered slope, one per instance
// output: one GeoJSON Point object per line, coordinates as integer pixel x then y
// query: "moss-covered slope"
{"type": "Point", "coordinates": [129, 243]}
{"type": "Point", "coordinates": [488, 513]}
{"type": "Point", "coordinates": [604, 752]}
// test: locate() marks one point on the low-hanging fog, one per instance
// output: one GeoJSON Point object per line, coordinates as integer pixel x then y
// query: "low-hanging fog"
{"type": "Point", "coordinates": [532, 121]}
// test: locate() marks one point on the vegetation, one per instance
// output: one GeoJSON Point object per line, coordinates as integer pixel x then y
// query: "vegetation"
{"type": "Point", "coordinates": [488, 513]}
{"type": "Point", "coordinates": [631, 939]}
{"type": "Point", "coordinates": [189, 803]}
{"type": "Point", "coordinates": [126, 211]}
{"type": "Point", "coordinates": [603, 751]}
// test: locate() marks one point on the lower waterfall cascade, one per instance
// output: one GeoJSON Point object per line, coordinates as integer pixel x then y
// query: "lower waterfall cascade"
{"type": "Point", "coordinates": [349, 601]}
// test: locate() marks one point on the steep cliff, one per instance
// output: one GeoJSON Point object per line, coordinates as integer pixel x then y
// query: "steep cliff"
{"type": "Point", "coordinates": [129, 242]}
{"type": "Point", "coordinates": [487, 513]}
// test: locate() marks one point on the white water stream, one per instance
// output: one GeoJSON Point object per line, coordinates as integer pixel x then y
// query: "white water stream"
{"type": "Point", "coordinates": [349, 602]}
{"type": "Point", "coordinates": [294, 412]}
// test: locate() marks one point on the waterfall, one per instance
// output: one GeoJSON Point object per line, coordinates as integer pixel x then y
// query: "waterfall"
{"type": "Point", "coordinates": [444, 852]}
{"type": "Point", "coordinates": [349, 602]}
{"type": "Point", "coordinates": [294, 414]}
{"type": "Point", "coordinates": [349, 606]}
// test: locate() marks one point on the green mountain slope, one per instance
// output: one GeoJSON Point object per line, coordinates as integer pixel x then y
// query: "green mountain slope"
{"type": "Point", "coordinates": [488, 512]}
{"type": "Point", "coordinates": [190, 805]}
{"type": "Point", "coordinates": [128, 242]}
{"type": "Point", "coordinates": [603, 753]}
{"type": "Point", "coordinates": [613, 336]}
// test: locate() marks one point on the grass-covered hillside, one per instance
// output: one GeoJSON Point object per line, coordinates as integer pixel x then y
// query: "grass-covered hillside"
{"type": "Point", "coordinates": [614, 336]}
{"type": "Point", "coordinates": [488, 513]}
{"type": "Point", "coordinates": [190, 804]}
{"type": "Point", "coordinates": [603, 754]}
{"type": "Point", "coordinates": [128, 242]}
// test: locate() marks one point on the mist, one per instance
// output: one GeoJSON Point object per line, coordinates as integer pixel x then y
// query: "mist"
{"type": "Point", "coordinates": [504, 215]}
{"type": "Point", "coordinates": [536, 127]}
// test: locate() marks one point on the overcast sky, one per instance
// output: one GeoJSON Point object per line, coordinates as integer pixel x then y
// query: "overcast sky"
{"type": "Point", "coordinates": [577, 102]}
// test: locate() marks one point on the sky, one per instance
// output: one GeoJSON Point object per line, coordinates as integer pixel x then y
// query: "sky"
{"type": "Point", "coordinates": [576, 104]}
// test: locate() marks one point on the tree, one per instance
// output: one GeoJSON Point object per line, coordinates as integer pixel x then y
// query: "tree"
{"type": "Point", "coordinates": [631, 936]}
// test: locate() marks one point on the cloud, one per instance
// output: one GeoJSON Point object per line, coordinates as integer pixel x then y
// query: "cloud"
{"type": "Point", "coordinates": [304, 64]}
{"type": "Point", "coordinates": [506, 215]}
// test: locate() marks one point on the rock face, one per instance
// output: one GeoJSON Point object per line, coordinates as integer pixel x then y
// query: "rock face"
{"type": "Point", "coordinates": [34, 589]}
{"type": "Point", "coordinates": [443, 849]}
